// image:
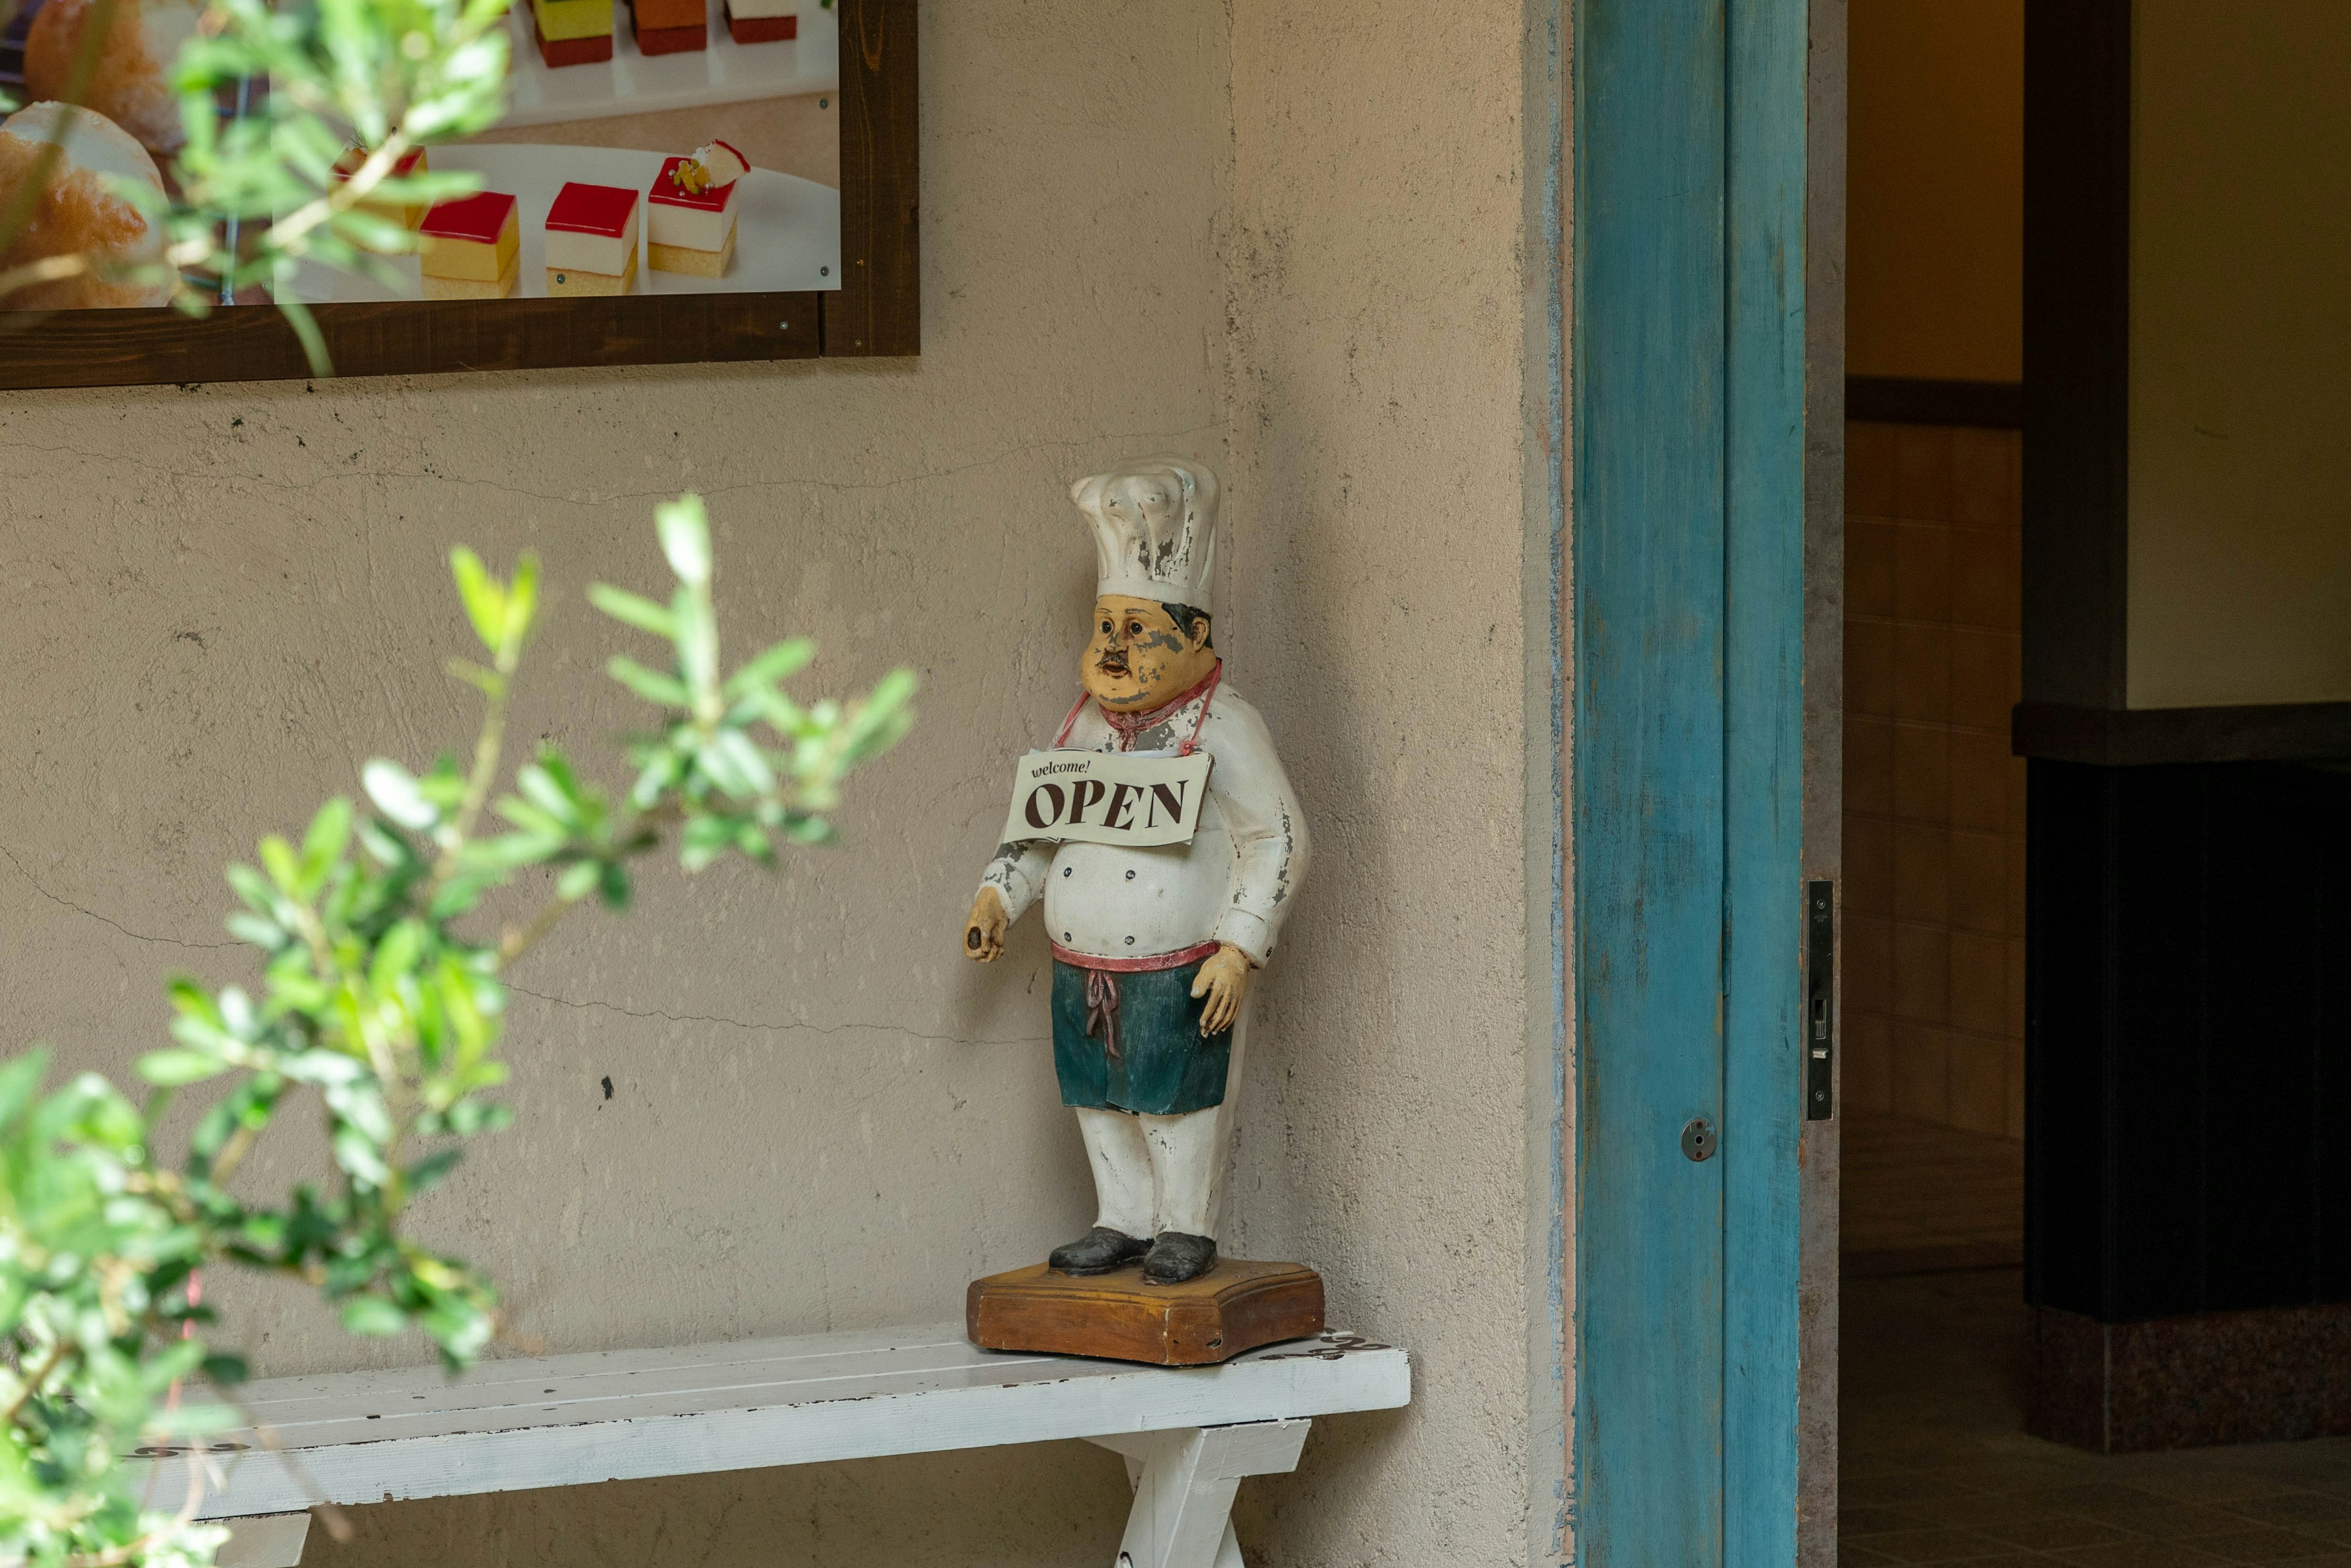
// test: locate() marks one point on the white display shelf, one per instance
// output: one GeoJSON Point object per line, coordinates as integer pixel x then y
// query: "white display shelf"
{"type": "Point", "coordinates": [787, 229]}
{"type": "Point", "coordinates": [632, 83]}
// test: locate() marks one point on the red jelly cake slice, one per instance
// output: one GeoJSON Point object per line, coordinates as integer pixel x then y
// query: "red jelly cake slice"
{"type": "Point", "coordinates": [473, 247]}
{"type": "Point", "coordinates": [669, 26]}
{"type": "Point", "coordinates": [691, 230]}
{"type": "Point", "coordinates": [591, 240]}
{"type": "Point", "coordinates": [762, 21]}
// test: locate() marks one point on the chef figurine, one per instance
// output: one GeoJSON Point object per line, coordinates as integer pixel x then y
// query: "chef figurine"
{"type": "Point", "coordinates": [1154, 947]}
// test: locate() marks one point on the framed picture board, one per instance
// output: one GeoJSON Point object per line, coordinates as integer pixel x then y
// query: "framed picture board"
{"type": "Point", "coordinates": [811, 253]}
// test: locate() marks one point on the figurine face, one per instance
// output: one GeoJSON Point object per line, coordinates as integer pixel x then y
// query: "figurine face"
{"type": "Point", "coordinates": [1138, 659]}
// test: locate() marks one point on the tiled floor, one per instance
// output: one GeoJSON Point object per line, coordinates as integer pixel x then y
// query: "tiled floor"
{"type": "Point", "coordinates": [1935, 1466]}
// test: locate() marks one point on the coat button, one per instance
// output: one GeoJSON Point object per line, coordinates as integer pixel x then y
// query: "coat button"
{"type": "Point", "coordinates": [1130, 876]}
{"type": "Point", "coordinates": [1065, 937]}
{"type": "Point", "coordinates": [1068, 869]}
{"type": "Point", "coordinates": [1130, 941]}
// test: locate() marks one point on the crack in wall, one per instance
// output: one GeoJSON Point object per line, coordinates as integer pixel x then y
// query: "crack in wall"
{"type": "Point", "coordinates": [762, 1027]}
{"type": "Point", "coordinates": [838, 486]}
{"type": "Point", "coordinates": [34, 882]}
{"type": "Point", "coordinates": [750, 1025]}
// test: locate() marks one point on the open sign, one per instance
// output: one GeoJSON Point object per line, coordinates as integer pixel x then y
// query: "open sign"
{"type": "Point", "coordinates": [1107, 798]}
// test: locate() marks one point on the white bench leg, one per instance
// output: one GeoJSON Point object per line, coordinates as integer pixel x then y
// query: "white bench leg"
{"type": "Point", "coordinates": [1184, 1485]}
{"type": "Point", "coordinates": [264, 1541]}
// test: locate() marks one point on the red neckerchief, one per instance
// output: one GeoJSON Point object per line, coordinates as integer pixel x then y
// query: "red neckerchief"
{"type": "Point", "coordinates": [1129, 726]}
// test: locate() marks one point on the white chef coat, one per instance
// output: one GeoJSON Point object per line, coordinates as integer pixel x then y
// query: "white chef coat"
{"type": "Point", "coordinates": [1234, 882]}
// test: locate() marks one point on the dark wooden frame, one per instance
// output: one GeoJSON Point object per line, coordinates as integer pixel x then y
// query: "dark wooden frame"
{"type": "Point", "coordinates": [876, 311]}
{"type": "Point", "coordinates": [1907, 399]}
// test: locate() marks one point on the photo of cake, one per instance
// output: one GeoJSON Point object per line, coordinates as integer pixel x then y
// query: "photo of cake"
{"type": "Point", "coordinates": [603, 206]}
{"type": "Point", "coordinates": [412, 161]}
{"type": "Point", "coordinates": [691, 211]}
{"type": "Point", "coordinates": [762, 21]}
{"type": "Point", "coordinates": [591, 240]}
{"type": "Point", "coordinates": [669, 26]}
{"type": "Point", "coordinates": [572, 32]}
{"type": "Point", "coordinates": [471, 248]}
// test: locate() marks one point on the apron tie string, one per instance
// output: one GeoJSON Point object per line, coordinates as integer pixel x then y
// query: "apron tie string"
{"type": "Point", "coordinates": [1102, 1009]}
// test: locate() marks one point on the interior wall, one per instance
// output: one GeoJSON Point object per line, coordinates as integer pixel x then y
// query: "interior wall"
{"type": "Point", "coordinates": [1294, 242]}
{"type": "Point", "coordinates": [1934, 804]}
{"type": "Point", "coordinates": [2240, 549]}
{"type": "Point", "coordinates": [1935, 189]}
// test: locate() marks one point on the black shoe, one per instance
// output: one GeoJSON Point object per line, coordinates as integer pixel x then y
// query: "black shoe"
{"type": "Point", "coordinates": [1175, 1257]}
{"type": "Point", "coordinates": [1098, 1251]}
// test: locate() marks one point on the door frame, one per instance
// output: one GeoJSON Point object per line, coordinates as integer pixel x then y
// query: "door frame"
{"type": "Point", "coordinates": [1693, 531]}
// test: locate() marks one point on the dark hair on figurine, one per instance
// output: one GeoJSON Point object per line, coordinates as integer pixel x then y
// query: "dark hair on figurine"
{"type": "Point", "coordinates": [1185, 615]}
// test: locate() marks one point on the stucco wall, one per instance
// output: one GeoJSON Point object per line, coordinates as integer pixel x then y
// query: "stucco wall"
{"type": "Point", "coordinates": [1379, 268]}
{"type": "Point", "coordinates": [217, 600]}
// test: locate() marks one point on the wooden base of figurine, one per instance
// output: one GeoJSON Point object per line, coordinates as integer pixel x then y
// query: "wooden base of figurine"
{"type": "Point", "coordinates": [1235, 1306]}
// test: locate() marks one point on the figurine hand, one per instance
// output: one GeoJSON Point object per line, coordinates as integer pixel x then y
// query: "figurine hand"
{"type": "Point", "coordinates": [983, 934]}
{"type": "Point", "coordinates": [1224, 980]}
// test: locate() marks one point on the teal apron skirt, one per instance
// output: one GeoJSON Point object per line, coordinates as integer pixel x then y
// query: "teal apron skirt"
{"type": "Point", "coordinates": [1131, 1041]}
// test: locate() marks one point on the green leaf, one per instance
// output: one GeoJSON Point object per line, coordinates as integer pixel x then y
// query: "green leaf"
{"type": "Point", "coordinates": [485, 600]}
{"type": "Point", "coordinates": [684, 530]}
{"type": "Point", "coordinates": [323, 845]}
{"type": "Point", "coordinates": [373, 1317]}
{"type": "Point", "coordinates": [430, 1170]}
{"type": "Point", "coordinates": [633, 610]}
{"type": "Point", "coordinates": [358, 1155]}
{"type": "Point", "coordinates": [278, 859]}
{"type": "Point", "coordinates": [470, 1116]}
{"type": "Point", "coordinates": [522, 599]}
{"type": "Point", "coordinates": [396, 955]}
{"type": "Point", "coordinates": [666, 691]}
{"type": "Point", "coordinates": [306, 326]}
{"type": "Point", "coordinates": [490, 682]}
{"type": "Point", "coordinates": [395, 793]}
{"type": "Point", "coordinates": [737, 764]}
{"type": "Point", "coordinates": [577, 879]}
{"type": "Point", "coordinates": [705, 839]}
{"type": "Point", "coordinates": [543, 789]}
{"type": "Point", "coordinates": [266, 935]}
{"type": "Point", "coordinates": [18, 1080]}
{"type": "Point", "coordinates": [783, 660]}
{"type": "Point", "coordinates": [172, 1069]}
{"type": "Point", "coordinates": [254, 888]}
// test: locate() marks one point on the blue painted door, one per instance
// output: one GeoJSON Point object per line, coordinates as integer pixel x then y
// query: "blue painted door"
{"type": "Point", "coordinates": [1688, 523]}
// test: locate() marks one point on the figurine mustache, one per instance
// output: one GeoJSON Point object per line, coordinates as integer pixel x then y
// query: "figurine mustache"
{"type": "Point", "coordinates": [1112, 662]}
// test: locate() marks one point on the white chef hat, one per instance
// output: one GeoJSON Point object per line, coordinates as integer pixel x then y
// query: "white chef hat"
{"type": "Point", "coordinates": [1154, 526]}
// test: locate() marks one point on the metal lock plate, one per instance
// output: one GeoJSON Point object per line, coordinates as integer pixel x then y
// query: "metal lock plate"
{"type": "Point", "coordinates": [1698, 1139]}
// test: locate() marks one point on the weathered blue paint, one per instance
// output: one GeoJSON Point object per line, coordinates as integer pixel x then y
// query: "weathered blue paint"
{"type": "Point", "coordinates": [1687, 362]}
{"type": "Point", "coordinates": [1648, 763]}
{"type": "Point", "coordinates": [1763, 1005]}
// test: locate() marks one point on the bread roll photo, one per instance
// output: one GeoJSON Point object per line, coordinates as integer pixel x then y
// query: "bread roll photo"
{"type": "Point", "coordinates": [76, 214]}
{"type": "Point", "coordinates": [132, 86]}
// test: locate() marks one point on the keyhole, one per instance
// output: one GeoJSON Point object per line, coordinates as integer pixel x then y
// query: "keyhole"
{"type": "Point", "coordinates": [1698, 1139]}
